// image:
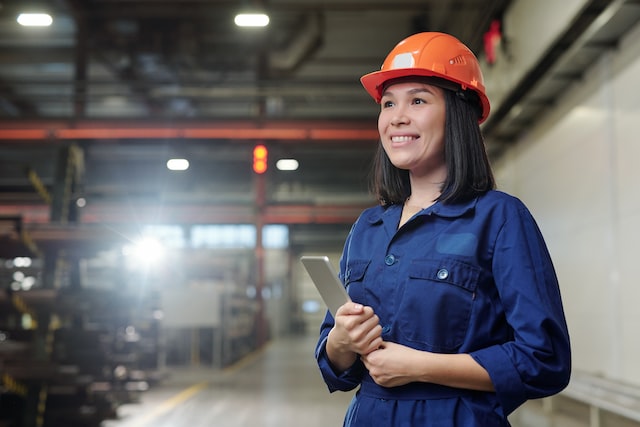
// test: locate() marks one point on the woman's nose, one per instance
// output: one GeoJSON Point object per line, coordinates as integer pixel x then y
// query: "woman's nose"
{"type": "Point", "coordinates": [399, 117]}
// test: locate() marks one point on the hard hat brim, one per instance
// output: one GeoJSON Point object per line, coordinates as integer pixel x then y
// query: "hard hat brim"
{"type": "Point", "coordinates": [374, 84]}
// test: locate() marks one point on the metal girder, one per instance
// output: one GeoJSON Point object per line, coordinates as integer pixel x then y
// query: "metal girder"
{"type": "Point", "coordinates": [94, 130]}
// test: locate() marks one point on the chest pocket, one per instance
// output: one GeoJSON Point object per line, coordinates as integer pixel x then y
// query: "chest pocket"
{"type": "Point", "coordinates": [436, 303]}
{"type": "Point", "coordinates": [353, 279]}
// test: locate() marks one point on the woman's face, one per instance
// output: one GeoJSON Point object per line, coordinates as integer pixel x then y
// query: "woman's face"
{"type": "Point", "coordinates": [411, 126]}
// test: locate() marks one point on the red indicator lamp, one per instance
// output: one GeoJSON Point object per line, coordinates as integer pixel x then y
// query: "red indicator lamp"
{"type": "Point", "coordinates": [260, 159]}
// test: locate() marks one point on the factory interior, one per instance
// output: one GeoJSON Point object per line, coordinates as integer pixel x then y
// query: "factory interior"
{"type": "Point", "coordinates": [163, 169]}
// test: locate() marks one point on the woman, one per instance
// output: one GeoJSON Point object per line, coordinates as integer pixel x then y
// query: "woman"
{"type": "Point", "coordinates": [457, 317]}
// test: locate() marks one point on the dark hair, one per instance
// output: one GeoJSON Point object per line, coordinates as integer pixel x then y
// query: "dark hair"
{"type": "Point", "coordinates": [469, 173]}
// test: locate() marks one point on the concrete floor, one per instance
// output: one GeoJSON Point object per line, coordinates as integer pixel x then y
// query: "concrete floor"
{"type": "Point", "coordinates": [277, 386]}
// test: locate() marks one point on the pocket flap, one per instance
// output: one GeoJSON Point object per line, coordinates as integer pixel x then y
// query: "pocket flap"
{"type": "Point", "coordinates": [449, 271]}
{"type": "Point", "coordinates": [355, 270]}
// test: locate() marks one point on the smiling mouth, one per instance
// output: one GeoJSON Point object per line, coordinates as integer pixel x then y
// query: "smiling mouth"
{"type": "Point", "coordinates": [403, 138]}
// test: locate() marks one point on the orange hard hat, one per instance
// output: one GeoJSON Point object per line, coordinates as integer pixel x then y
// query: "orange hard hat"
{"type": "Point", "coordinates": [430, 54]}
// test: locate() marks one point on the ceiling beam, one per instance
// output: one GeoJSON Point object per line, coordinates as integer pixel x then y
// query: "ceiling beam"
{"type": "Point", "coordinates": [35, 216]}
{"type": "Point", "coordinates": [305, 131]}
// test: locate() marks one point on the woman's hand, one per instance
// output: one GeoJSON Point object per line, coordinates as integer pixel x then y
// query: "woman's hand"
{"type": "Point", "coordinates": [392, 365]}
{"type": "Point", "coordinates": [356, 331]}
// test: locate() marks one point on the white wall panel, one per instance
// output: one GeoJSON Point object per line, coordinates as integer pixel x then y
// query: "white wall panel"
{"type": "Point", "coordinates": [629, 318]}
{"type": "Point", "coordinates": [578, 172]}
{"type": "Point", "coordinates": [627, 127]}
{"type": "Point", "coordinates": [626, 121]}
{"type": "Point", "coordinates": [587, 308]}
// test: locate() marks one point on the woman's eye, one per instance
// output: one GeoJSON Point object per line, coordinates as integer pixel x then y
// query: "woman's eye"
{"type": "Point", "coordinates": [387, 104]}
{"type": "Point", "coordinates": [419, 101]}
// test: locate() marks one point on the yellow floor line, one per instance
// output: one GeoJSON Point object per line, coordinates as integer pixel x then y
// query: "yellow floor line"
{"type": "Point", "coordinates": [171, 403]}
{"type": "Point", "coordinates": [187, 393]}
{"type": "Point", "coordinates": [246, 360]}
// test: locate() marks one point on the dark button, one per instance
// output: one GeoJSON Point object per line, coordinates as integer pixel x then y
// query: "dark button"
{"type": "Point", "coordinates": [443, 273]}
{"type": "Point", "coordinates": [389, 259]}
{"type": "Point", "coordinates": [386, 329]}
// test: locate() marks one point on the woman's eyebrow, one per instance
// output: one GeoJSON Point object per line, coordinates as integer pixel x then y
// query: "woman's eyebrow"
{"type": "Point", "coordinates": [427, 89]}
{"type": "Point", "coordinates": [413, 91]}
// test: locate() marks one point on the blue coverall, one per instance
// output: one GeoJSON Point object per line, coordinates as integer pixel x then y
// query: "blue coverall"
{"type": "Point", "coordinates": [473, 277]}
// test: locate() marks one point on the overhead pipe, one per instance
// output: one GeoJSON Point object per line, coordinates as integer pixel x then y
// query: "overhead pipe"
{"type": "Point", "coordinates": [303, 44]}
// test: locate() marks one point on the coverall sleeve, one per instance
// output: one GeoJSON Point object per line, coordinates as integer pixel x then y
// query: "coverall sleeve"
{"type": "Point", "coordinates": [537, 361]}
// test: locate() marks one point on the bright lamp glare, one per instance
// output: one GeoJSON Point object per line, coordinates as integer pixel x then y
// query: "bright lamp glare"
{"type": "Point", "coordinates": [35, 19]}
{"type": "Point", "coordinates": [146, 251]}
{"type": "Point", "coordinates": [251, 20]}
{"type": "Point", "coordinates": [287, 164]}
{"type": "Point", "coordinates": [178, 164]}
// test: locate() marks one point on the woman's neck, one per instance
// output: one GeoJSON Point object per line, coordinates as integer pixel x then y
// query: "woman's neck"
{"type": "Point", "coordinates": [424, 192]}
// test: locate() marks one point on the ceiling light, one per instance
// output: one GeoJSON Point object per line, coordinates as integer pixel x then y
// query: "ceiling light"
{"type": "Point", "coordinates": [178, 164]}
{"type": "Point", "coordinates": [34, 19]}
{"type": "Point", "coordinates": [251, 20]}
{"type": "Point", "coordinates": [287, 164]}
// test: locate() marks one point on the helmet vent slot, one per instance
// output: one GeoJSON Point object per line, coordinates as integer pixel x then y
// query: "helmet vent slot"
{"type": "Point", "coordinates": [459, 60]}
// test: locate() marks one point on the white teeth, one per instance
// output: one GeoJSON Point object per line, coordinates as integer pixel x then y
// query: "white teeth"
{"type": "Point", "coordinates": [402, 138]}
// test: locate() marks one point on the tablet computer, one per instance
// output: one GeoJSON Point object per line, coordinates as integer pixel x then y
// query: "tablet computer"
{"type": "Point", "coordinates": [326, 280]}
